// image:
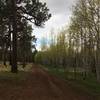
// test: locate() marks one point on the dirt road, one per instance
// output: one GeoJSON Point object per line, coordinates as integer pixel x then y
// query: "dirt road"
{"type": "Point", "coordinates": [39, 85]}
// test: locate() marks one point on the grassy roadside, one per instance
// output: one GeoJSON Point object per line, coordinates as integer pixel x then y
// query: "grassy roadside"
{"type": "Point", "coordinates": [6, 75]}
{"type": "Point", "coordinates": [89, 85]}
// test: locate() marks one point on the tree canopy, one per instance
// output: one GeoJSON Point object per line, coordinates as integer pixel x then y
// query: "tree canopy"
{"type": "Point", "coordinates": [15, 16]}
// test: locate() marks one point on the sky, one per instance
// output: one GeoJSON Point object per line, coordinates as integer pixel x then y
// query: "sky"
{"type": "Point", "coordinates": [61, 11]}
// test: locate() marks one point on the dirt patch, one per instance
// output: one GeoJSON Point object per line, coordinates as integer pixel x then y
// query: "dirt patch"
{"type": "Point", "coordinates": [39, 85]}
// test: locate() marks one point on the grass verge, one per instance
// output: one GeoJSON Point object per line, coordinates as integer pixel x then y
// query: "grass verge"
{"type": "Point", "coordinates": [89, 85]}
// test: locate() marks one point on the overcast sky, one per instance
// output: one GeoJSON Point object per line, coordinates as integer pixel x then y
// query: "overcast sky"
{"type": "Point", "coordinates": [61, 13]}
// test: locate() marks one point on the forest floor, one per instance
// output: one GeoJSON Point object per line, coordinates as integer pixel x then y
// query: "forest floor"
{"type": "Point", "coordinates": [39, 85]}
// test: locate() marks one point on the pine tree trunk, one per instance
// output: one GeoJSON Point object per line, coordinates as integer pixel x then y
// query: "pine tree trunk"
{"type": "Point", "coordinates": [24, 60]}
{"type": "Point", "coordinates": [14, 68]}
{"type": "Point", "coordinates": [5, 55]}
{"type": "Point", "coordinates": [10, 51]}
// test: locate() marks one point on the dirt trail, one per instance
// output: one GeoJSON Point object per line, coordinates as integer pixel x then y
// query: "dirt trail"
{"type": "Point", "coordinates": [49, 87]}
{"type": "Point", "coordinates": [39, 85]}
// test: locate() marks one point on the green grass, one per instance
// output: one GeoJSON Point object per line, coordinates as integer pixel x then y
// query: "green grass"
{"type": "Point", "coordinates": [89, 85]}
{"type": "Point", "coordinates": [5, 73]}
{"type": "Point", "coordinates": [12, 76]}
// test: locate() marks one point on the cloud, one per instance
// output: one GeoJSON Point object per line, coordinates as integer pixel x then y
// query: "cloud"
{"type": "Point", "coordinates": [60, 6]}
{"type": "Point", "coordinates": [61, 12]}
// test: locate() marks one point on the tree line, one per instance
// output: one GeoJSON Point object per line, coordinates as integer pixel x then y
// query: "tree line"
{"type": "Point", "coordinates": [16, 31]}
{"type": "Point", "coordinates": [77, 46]}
